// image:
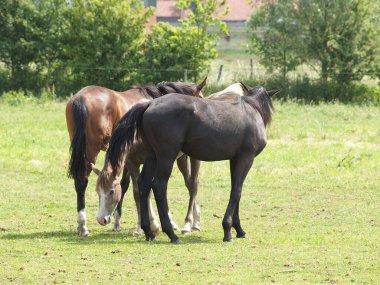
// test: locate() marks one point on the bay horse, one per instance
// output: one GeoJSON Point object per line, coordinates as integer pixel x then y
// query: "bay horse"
{"type": "Point", "coordinates": [91, 116]}
{"type": "Point", "coordinates": [209, 130]}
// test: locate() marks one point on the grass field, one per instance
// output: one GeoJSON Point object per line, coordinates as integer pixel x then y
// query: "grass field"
{"type": "Point", "coordinates": [310, 207]}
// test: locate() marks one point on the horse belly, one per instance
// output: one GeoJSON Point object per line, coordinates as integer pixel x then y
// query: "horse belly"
{"type": "Point", "coordinates": [212, 146]}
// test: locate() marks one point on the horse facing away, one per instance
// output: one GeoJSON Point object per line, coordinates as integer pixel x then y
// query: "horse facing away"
{"type": "Point", "coordinates": [208, 130]}
{"type": "Point", "coordinates": [91, 116]}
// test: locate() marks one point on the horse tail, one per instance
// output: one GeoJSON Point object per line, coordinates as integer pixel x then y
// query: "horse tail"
{"type": "Point", "coordinates": [127, 130]}
{"type": "Point", "coordinates": [77, 164]}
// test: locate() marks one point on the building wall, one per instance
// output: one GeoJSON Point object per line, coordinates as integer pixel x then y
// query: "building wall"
{"type": "Point", "coordinates": [240, 10]}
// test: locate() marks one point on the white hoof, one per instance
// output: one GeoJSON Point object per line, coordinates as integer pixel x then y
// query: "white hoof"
{"type": "Point", "coordinates": [83, 231]}
{"type": "Point", "coordinates": [186, 229]}
{"type": "Point", "coordinates": [196, 227]}
{"type": "Point", "coordinates": [116, 228]}
{"type": "Point", "coordinates": [138, 231]}
{"type": "Point", "coordinates": [175, 226]}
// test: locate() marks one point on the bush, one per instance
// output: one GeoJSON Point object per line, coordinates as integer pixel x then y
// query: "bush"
{"type": "Point", "coordinates": [313, 91]}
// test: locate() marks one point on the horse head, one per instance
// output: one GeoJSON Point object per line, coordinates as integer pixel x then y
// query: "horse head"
{"type": "Point", "coordinates": [109, 191]}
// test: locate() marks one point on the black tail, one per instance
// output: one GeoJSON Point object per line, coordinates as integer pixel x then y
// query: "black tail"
{"type": "Point", "coordinates": [128, 128]}
{"type": "Point", "coordinates": [77, 164]}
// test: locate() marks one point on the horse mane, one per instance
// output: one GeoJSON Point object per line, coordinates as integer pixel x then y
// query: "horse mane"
{"type": "Point", "coordinates": [164, 88]}
{"type": "Point", "coordinates": [103, 179]}
{"type": "Point", "coordinates": [186, 88]}
{"type": "Point", "coordinates": [260, 100]}
{"type": "Point", "coordinates": [149, 91]}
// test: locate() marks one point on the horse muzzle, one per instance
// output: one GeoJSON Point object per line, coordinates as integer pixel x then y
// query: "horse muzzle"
{"type": "Point", "coordinates": [104, 221]}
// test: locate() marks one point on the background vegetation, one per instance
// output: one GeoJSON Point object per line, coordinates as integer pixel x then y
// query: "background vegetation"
{"type": "Point", "coordinates": [315, 51]}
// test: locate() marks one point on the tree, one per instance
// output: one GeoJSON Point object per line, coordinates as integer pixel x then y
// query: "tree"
{"type": "Point", "coordinates": [275, 36]}
{"type": "Point", "coordinates": [170, 50]}
{"type": "Point", "coordinates": [101, 41]}
{"type": "Point", "coordinates": [340, 37]}
{"type": "Point", "coordinates": [337, 38]}
{"type": "Point", "coordinates": [23, 29]}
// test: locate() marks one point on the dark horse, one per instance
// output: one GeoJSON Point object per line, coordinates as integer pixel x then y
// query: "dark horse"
{"type": "Point", "coordinates": [91, 116]}
{"type": "Point", "coordinates": [208, 130]}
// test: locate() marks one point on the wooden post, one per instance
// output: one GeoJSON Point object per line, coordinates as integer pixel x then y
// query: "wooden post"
{"type": "Point", "coordinates": [220, 72]}
{"type": "Point", "coordinates": [251, 67]}
{"type": "Point", "coordinates": [185, 75]}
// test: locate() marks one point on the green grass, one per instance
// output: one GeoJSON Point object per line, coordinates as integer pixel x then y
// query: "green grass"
{"type": "Point", "coordinates": [310, 207]}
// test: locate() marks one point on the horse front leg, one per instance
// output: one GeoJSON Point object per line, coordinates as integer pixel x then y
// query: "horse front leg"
{"type": "Point", "coordinates": [159, 186]}
{"type": "Point", "coordinates": [190, 176]}
{"type": "Point", "coordinates": [239, 167]}
{"type": "Point", "coordinates": [144, 186]}
{"type": "Point", "coordinates": [125, 180]}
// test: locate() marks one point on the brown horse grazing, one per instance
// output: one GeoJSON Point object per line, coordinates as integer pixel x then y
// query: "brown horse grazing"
{"type": "Point", "coordinates": [209, 130]}
{"type": "Point", "coordinates": [91, 116]}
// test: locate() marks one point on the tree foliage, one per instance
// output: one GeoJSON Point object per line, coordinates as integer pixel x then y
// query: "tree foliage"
{"type": "Point", "coordinates": [337, 37]}
{"type": "Point", "coordinates": [65, 45]}
{"type": "Point", "coordinates": [183, 51]}
{"type": "Point", "coordinates": [23, 32]}
{"type": "Point", "coordinates": [275, 36]}
{"type": "Point", "coordinates": [101, 41]}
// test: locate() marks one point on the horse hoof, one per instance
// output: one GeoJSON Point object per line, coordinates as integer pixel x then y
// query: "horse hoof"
{"type": "Point", "coordinates": [150, 239]}
{"type": "Point", "coordinates": [185, 232]}
{"type": "Point", "coordinates": [116, 229]}
{"type": "Point", "coordinates": [241, 236]}
{"type": "Point", "coordinates": [196, 229]}
{"type": "Point", "coordinates": [177, 241]}
{"type": "Point", "coordinates": [228, 240]}
{"type": "Point", "coordinates": [138, 232]}
{"type": "Point", "coordinates": [175, 226]}
{"type": "Point", "coordinates": [83, 232]}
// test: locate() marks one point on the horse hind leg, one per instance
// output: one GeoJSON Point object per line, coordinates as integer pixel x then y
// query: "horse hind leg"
{"type": "Point", "coordinates": [192, 219]}
{"type": "Point", "coordinates": [195, 165]}
{"type": "Point", "coordinates": [239, 167]}
{"type": "Point", "coordinates": [240, 233]}
{"type": "Point", "coordinates": [80, 188]}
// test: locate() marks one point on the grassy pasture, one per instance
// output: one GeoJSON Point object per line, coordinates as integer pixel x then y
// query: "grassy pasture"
{"type": "Point", "coordinates": [310, 207]}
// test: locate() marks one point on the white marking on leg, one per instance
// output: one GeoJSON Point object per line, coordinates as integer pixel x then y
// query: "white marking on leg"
{"type": "Point", "coordinates": [187, 228]}
{"type": "Point", "coordinates": [82, 226]}
{"type": "Point", "coordinates": [174, 225]}
{"type": "Point", "coordinates": [117, 225]}
{"type": "Point", "coordinates": [196, 217]}
{"type": "Point", "coordinates": [154, 225]}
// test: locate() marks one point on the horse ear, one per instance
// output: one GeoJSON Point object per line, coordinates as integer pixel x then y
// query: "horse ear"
{"type": "Point", "coordinates": [273, 92]}
{"type": "Point", "coordinates": [95, 169]}
{"type": "Point", "coordinates": [200, 87]}
{"type": "Point", "coordinates": [245, 88]}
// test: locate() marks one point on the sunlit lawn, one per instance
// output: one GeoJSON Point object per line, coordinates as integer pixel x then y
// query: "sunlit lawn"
{"type": "Point", "coordinates": [310, 207]}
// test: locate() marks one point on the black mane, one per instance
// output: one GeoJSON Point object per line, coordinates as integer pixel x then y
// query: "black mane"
{"type": "Point", "coordinates": [186, 88]}
{"type": "Point", "coordinates": [164, 88]}
{"type": "Point", "coordinates": [259, 99]}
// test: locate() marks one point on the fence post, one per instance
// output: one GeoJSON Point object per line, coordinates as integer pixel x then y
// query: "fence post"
{"type": "Point", "coordinates": [220, 72]}
{"type": "Point", "coordinates": [185, 75]}
{"type": "Point", "coordinates": [251, 67]}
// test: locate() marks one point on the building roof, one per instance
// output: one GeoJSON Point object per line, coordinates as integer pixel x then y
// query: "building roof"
{"type": "Point", "coordinates": [240, 10]}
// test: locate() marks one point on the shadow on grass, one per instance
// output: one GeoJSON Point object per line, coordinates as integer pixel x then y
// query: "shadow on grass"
{"type": "Point", "coordinates": [124, 237]}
